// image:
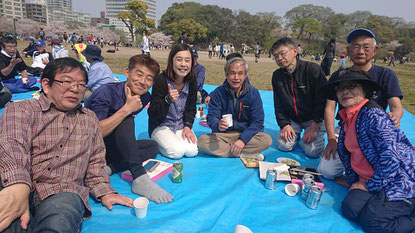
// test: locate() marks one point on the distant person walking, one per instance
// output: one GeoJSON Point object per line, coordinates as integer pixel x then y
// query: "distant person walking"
{"type": "Point", "coordinates": [41, 34]}
{"type": "Point", "coordinates": [145, 46]}
{"type": "Point", "coordinates": [391, 59]}
{"type": "Point", "coordinates": [329, 53]}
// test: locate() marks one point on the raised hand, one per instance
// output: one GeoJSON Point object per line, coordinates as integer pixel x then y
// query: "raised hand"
{"type": "Point", "coordinates": [133, 102]}
{"type": "Point", "coordinates": [173, 93]}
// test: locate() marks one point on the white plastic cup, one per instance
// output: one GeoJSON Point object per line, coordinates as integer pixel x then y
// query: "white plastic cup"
{"type": "Point", "coordinates": [25, 80]}
{"type": "Point", "coordinates": [242, 229]}
{"type": "Point", "coordinates": [140, 206]}
{"type": "Point", "coordinates": [228, 118]}
{"type": "Point", "coordinates": [292, 189]}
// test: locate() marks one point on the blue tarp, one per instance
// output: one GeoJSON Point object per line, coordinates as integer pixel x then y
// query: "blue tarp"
{"type": "Point", "coordinates": [219, 193]}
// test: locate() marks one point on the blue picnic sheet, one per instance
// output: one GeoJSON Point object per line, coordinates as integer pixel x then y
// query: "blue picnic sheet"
{"type": "Point", "coordinates": [219, 193]}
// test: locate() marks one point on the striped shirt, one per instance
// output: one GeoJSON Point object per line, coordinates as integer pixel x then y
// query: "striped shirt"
{"type": "Point", "coordinates": [52, 151]}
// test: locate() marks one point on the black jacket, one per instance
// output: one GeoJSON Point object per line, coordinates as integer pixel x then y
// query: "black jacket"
{"type": "Point", "coordinates": [159, 107]}
{"type": "Point", "coordinates": [296, 95]}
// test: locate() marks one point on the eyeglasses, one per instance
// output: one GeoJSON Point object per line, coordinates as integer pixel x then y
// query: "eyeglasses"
{"type": "Point", "coordinates": [282, 54]}
{"type": "Point", "coordinates": [346, 85]}
{"type": "Point", "coordinates": [11, 46]}
{"type": "Point", "coordinates": [366, 48]}
{"type": "Point", "coordinates": [69, 85]}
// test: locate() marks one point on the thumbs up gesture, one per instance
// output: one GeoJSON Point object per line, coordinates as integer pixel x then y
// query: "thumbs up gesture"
{"type": "Point", "coordinates": [133, 102]}
{"type": "Point", "coordinates": [173, 93]}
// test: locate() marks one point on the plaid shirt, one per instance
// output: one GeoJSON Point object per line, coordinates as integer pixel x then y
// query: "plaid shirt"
{"type": "Point", "coordinates": [52, 151]}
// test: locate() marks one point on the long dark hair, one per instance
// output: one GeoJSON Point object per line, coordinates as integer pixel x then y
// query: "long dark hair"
{"type": "Point", "coordinates": [169, 70]}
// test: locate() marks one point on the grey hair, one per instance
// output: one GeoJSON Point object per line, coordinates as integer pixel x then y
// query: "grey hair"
{"type": "Point", "coordinates": [233, 60]}
{"type": "Point", "coordinates": [374, 42]}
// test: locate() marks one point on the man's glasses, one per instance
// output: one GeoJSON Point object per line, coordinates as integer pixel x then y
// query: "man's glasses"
{"type": "Point", "coordinates": [282, 54]}
{"type": "Point", "coordinates": [70, 84]}
{"type": "Point", "coordinates": [345, 85]}
{"type": "Point", "coordinates": [11, 46]}
{"type": "Point", "coordinates": [366, 48]}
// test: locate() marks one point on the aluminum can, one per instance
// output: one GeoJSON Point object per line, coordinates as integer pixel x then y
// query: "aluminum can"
{"type": "Point", "coordinates": [314, 196]}
{"type": "Point", "coordinates": [308, 176]}
{"type": "Point", "coordinates": [305, 188]}
{"type": "Point", "coordinates": [270, 180]}
{"type": "Point", "coordinates": [177, 172]}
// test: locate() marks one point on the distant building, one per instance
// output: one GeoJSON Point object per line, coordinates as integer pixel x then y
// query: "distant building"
{"type": "Point", "coordinates": [113, 7]}
{"type": "Point", "coordinates": [65, 14]}
{"type": "Point", "coordinates": [13, 9]}
{"type": "Point", "coordinates": [101, 20]}
{"type": "Point", "coordinates": [37, 11]}
{"type": "Point", "coordinates": [59, 4]}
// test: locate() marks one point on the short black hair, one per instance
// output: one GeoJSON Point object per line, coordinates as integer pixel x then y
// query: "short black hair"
{"type": "Point", "coordinates": [62, 65]}
{"type": "Point", "coordinates": [232, 55]}
{"type": "Point", "coordinates": [7, 40]}
{"type": "Point", "coordinates": [285, 41]}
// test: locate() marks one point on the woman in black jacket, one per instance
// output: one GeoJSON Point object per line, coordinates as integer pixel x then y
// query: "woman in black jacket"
{"type": "Point", "coordinates": [329, 53]}
{"type": "Point", "coordinates": [173, 105]}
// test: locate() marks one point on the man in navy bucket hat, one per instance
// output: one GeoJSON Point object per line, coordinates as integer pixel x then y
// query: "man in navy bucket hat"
{"type": "Point", "coordinates": [99, 73]}
{"type": "Point", "coordinates": [361, 50]}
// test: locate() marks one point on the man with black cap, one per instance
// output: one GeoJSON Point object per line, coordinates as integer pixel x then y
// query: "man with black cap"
{"type": "Point", "coordinates": [362, 48]}
{"type": "Point", "coordinates": [99, 73]}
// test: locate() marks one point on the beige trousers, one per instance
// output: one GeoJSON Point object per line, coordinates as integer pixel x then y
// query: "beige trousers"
{"type": "Point", "coordinates": [219, 144]}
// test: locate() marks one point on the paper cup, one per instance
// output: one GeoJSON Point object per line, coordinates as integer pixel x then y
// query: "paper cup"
{"type": "Point", "coordinates": [228, 118]}
{"type": "Point", "coordinates": [140, 206]}
{"type": "Point", "coordinates": [242, 229]}
{"type": "Point", "coordinates": [292, 189]}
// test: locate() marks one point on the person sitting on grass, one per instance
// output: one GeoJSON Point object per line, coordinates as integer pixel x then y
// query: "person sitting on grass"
{"type": "Point", "coordinates": [243, 102]}
{"type": "Point", "coordinates": [173, 105]}
{"type": "Point", "coordinates": [11, 63]}
{"type": "Point", "coordinates": [41, 58]}
{"type": "Point", "coordinates": [52, 157]}
{"type": "Point", "coordinates": [116, 105]}
{"type": "Point", "coordinates": [378, 158]}
{"type": "Point", "coordinates": [31, 48]}
{"type": "Point", "coordinates": [99, 73]}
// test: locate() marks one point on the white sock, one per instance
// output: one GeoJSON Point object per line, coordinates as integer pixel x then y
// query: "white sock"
{"type": "Point", "coordinates": [144, 186]}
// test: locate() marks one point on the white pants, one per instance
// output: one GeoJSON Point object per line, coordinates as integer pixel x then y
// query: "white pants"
{"type": "Point", "coordinates": [313, 149]}
{"type": "Point", "coordinates": [332, 168]}
{"type": "Point", "coordinates": [172, 145]}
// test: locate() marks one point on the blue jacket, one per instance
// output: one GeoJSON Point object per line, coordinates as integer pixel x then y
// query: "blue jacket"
{"type": "Point", "coordinates": [387, 150]}
{"type": "Point", "coordinates": [247, 110]}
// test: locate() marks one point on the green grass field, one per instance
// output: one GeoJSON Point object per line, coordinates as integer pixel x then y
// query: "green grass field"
{"type": "Point", "coordinates": [259, 73]}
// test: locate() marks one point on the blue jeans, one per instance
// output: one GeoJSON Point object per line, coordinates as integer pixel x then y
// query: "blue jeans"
{"type": "Point", "coordinates": [17, 86]}
{"type": "Point", "coordinates": [62, 212]}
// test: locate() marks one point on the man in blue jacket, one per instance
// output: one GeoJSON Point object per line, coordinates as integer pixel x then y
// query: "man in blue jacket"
{"type": "Point", "coordinates": [243, 102]}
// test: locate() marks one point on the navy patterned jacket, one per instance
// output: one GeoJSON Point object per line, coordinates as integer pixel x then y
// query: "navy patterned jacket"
{"type": "Point", "coordinates": [387, 150]}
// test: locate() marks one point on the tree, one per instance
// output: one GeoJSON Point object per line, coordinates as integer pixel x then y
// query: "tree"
{"type": "Point", "coordinates": [319, 13]}
{"type": "Point", "coordinates": [160, 39]}
{"type": "Point", "coordinates": [381, 26]}
{"type": "Point", "coordinates": [357, 19]}
{"type": "Point", "coordinates": [307, 27]}
{"type": "Point", "coordinates": [135, 18]}
{"type": "Point", "coordinates": [193, 28]}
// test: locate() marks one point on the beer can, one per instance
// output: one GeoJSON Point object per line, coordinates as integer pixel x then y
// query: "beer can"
{"type": "Point", "coordinates": [270, 180]}
{"type": "Point", "coordinates": [308, 176]}
{"type": "Point", "coordinates": [314, 196]}
{"type": "Point", "coordinates": [177, 172]}
{"type": "Point", "coordinates": [305, 188]}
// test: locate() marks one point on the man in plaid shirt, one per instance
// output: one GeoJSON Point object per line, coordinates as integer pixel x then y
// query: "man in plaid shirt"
{"type": "Point", "coordinates": [52, 156]}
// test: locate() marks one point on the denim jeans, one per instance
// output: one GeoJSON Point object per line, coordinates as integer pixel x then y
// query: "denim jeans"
{"type": "Point", "coordinates": [124, 152]}
{"type": "Point", "coordinates": [62, 212]}
{"type": "Point", "coordinates": [313, 149]}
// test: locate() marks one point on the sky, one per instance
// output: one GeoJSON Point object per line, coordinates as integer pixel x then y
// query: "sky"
{"type": "Point", "coordinates": [392, 8]}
